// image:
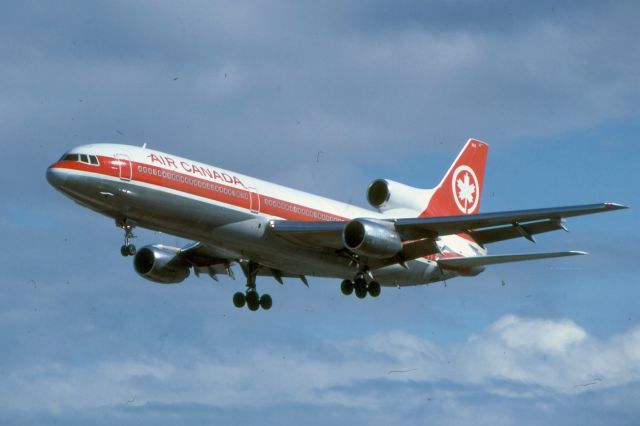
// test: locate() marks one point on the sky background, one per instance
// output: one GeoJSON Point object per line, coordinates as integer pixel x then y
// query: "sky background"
{"type": "Point", "coordinates": [324, 97]}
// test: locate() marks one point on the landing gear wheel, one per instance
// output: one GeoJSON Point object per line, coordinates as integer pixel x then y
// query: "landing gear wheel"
{"type": "Point", "coordinates": [360, 286]}
{"type": "Point", "coordinates": [128, 250]}
{"type": "Point", "coordinates": [253, 302]}
{"type": "Point", "coordinates": [239, 300]}
{"type": "Point", "coordinates": [346, 287]}
{"type": "Point", "coordinates": [253, 305]}
{"type": "Point", "coordinates": [374, 289]}
{"type": "Point", "coordinates": [127, 225]}
{"type": "Point", "coordinates": [265, 302]}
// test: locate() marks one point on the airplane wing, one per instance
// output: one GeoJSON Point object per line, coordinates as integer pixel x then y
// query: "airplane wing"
{"type": "Point", "coordinates": [213, 261]}
{"type": "Point", "coordinates": [507, 232]}
{"type": "Point", "coordinates": [521, 222]}
{"type": "Point", "coordinates": [418, 234]}
{"type": "Point", "coordinates": [199, 254]}
{"type": "Point", "coordinates": [488, 227]}
{"type": "Point", "coordinates": [322, 235]}
{"type": "Point", "coordinates": [208, 259]}
{"type": "Point", "coordinates": [465, 263]}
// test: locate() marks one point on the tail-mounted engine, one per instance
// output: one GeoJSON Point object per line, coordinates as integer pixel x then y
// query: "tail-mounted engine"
{"type": "Point", "coordinates": [397, 198]}
{"type": "Point", "coordinates": [161, 264]}
{"type": "Point", "coordinates": [371, 238]}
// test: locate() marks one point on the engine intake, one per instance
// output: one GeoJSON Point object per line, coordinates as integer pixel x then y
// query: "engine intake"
{"type": "Point", "coordinates": [378, 192]}
{"type": "Point", "coordinates": [161, 264]}
{"type": "Point", "coordinates": [372, 238]}
{"type": "Point", "coordinates": [397, 198]}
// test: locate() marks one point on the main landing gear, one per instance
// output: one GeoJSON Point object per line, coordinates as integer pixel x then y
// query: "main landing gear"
{"type": "Point", "coordinates": [251, 297]}
{"type": "Point", "coordinates": [127, 249]}
{"type": "Point", "coordinates": [252, 300]}
{"type": "Point", "coordinates": [360, 286]}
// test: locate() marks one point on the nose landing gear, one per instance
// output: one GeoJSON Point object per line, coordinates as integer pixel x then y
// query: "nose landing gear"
{"type": "Point", "coordinates": [127, 249]}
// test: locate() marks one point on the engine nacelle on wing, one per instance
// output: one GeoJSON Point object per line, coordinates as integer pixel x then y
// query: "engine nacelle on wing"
{"type": "Point", "coordinates": [161, 264]}
{"type": "Point", "coordinates": [372, 238]}
{"type": "Point", "coordinates": [387, 195]}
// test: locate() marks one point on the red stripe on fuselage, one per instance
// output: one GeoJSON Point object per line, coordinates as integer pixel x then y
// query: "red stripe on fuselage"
{"type": "Point", "coordinates": [206, 188]}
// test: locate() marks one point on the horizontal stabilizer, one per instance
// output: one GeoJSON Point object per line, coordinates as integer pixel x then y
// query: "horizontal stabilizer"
{"type": "Point", "coordinates": [471, 262]}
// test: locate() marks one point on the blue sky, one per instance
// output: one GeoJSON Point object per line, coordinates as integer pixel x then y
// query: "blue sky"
{"type": "Point", "coordinates": [380, 90]}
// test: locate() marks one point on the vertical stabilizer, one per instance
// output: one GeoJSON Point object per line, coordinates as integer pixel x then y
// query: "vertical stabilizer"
{"type": "Point", "coordinates": [461, 189]}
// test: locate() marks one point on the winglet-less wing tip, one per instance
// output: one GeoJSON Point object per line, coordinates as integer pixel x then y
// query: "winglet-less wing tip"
{"type": "Point", "coordinates": [577, 253]}
{"type": "Point", "coordinates": [615, 206]}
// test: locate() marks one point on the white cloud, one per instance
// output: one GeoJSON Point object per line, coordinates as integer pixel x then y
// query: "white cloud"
{"type": "Point", "coordinates": [540, 335]}
{"type": "Point", "coordinates": [515, 357]}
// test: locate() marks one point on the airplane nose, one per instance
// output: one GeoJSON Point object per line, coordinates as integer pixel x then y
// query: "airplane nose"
{"type": "Point", "coordinates": [56, 177]}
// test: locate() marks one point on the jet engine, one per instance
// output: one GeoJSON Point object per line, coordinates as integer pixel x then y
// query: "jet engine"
{"type": "Point", "coordinates": [387, 195]}
{"type": "Point", "coordinates": [372, 238]}
{"type": "Point", "coordinates": [161, 264]}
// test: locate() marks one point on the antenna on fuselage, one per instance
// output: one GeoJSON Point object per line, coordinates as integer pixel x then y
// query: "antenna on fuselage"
{"type": "Point", "coordinates": [144, 145]}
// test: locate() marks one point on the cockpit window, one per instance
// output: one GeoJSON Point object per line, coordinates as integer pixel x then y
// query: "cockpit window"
{"type": "Point", "coordinates": [71, 157]}
{"type": "Point", "coordinates": [84, 158]}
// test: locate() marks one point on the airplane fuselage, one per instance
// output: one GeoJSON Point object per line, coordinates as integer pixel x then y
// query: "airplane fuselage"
{"type": "Point", "coordinates": [225, 209]}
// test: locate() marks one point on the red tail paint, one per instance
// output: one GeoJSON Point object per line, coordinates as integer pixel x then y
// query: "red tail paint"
{"type": "Point", "coordinates": [461, 189]}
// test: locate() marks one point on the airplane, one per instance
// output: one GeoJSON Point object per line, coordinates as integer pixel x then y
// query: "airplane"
{"type": "Point", "coordinates": [416, 236]}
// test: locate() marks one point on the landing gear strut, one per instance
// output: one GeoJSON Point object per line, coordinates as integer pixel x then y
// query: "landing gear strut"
{"type": "Point", "coordinates": [251, 297]}
{"type": "Point", "coordinates": [127, 249]}
{"type": "Point", "coordinates": [360, 286]}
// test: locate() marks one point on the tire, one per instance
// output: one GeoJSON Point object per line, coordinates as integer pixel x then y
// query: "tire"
{"type": "Point", "coordinates": [266, 302]}
{"type": "Point", "coordinates": [374, 289]}
{"type": "Point", "coordinates": [346, 287]}
{"type": "Point", "coordinates": [253, 305]}
{"type": "Point", "coordinates": [360, 283]}
{"type": "Point", "coordinates": [131, 250]}
{"type": "Point", "coordinates": [252, 297]}
{"type": "Point", "coordinates": [361, 292]}
{"type": "Point", "coordinates": [123, 251]}
{"type": "Point", "coordinates": [239, 300]}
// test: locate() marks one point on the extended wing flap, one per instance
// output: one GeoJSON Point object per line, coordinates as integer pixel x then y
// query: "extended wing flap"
{"type": "Point", "coordinates": [492, 235]}
{"type": "Point", "coordinates": [462, 263]}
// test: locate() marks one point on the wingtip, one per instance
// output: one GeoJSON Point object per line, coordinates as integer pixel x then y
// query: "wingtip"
{"type": "Point", "coordinates": [615, 206]}
{"type": "Point", "coordinates": [578, 253]}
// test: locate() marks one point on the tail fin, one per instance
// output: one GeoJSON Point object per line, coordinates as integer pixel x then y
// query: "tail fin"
{"type": "Point", "coordinates": [461, 189]}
